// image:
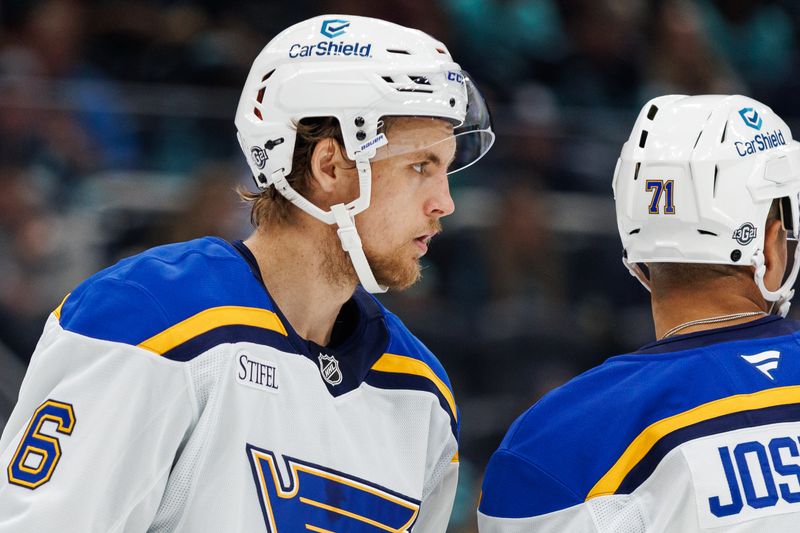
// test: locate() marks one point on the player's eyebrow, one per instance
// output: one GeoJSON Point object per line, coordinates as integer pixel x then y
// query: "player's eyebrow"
{"type": "Point", "coordinates": [433, 158]}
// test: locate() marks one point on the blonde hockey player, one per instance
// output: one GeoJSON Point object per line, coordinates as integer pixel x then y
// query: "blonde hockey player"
{"type": "Point", "coordinates": [255, 386]}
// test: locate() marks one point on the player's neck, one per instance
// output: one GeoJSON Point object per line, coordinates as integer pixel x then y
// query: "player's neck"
{"type": "Point", "coordinates": [679, 306]}
{"type": "Point", "coordinates": [299, 278]}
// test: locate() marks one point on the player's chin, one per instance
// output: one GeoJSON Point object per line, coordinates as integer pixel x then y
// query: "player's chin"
{"type": "Point", "coordinates": [398, 273]}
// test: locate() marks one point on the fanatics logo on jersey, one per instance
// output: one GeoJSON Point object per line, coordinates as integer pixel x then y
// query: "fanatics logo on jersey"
{"type": "Point", "coordinates": [329, 368]}
{"type": "Point", "coordinates": [766, 362]}
{"type": "Point", "coordinates": [257, 373]}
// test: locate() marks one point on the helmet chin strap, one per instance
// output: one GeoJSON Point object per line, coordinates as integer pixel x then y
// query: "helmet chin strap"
{"type": "Point", "coordinates": [351, 243]}
{"type": "Point", "coordinates": [635, 271]}
{"type": "Point", "coordinates": [343, 215]}
{"type": "Point", "coordinates": [781, 299]}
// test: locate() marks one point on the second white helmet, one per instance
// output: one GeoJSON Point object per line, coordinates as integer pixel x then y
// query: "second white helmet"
{"type": "Point", "coordinates": [696, 179]}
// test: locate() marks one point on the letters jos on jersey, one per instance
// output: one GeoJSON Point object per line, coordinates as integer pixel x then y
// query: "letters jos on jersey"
{"type": "Point", "coordinates": [745, 474]}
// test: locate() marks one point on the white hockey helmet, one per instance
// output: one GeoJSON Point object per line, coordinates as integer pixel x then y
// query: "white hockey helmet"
{"type": "Point", "coordinates": [358, 70]}
{"type": "Point", "coordinates": [695, 182]}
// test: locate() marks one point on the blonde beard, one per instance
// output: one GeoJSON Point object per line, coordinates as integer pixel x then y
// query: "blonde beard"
{"type": "Point", "coordinates": [389, 269]}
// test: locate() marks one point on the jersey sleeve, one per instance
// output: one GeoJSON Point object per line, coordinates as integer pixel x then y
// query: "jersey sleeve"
{"type": "Point", "coordinates": [95, 432]}
{"type": "Point", "coordinates": [520, 497]}
{"type": "Point", "coordinates": [436, 508]}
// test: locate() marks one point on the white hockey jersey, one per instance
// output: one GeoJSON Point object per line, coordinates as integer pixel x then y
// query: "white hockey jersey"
{"type": "Point", "coordinates": [699, 432]}
{"type": "Point", "coordinates": [169, 394]}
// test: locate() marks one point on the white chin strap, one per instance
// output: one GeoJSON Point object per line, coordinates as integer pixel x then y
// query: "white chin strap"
{"type": "Point", "coordinates": [635, 271]}
{"type": "Point", "coordinates": [343, 215]}
{"type": "Point", "coordinates": [781, 299]}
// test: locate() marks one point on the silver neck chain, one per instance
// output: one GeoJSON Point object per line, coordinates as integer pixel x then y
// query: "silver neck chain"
{"type": "Point", "coordinates": [712, 320]}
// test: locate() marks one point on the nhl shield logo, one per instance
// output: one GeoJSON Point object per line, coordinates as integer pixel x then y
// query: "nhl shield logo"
{"type": "Point", "coordinates": [329, 368]}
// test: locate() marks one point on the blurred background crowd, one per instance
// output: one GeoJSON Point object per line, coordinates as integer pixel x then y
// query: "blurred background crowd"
{"type": "Point", "coordinates": [116, 134]}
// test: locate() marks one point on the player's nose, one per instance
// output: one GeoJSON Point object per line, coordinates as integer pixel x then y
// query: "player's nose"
{"type": "Point", "coordinates": [440, 202]}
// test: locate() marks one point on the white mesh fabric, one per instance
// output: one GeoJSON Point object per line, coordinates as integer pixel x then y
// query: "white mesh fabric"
{"type": "Point", "coordinates": [617, 514]}
{"type": "Point", "coordinates": [439, 469]}
{"type": "Point", "coordinates": [205, 372]}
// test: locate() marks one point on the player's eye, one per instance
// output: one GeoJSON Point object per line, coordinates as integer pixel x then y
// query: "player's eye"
{"type": "Point", "coordinates": [419, 168]}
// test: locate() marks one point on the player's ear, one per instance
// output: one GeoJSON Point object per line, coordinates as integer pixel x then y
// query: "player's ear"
{"type": "Point", "coordinates": [775, 254]}
{"type": "Point", "coordinates": [323, 165]}
{"type": "Point", "coordinates": [332, 172]}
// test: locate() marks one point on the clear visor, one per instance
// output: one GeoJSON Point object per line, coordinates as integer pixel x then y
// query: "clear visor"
{"type": "Point", "coordinates": [437, 141]}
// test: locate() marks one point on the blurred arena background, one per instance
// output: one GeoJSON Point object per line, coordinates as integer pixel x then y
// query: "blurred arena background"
{"type": "Point", "coordinates": [116, 134]}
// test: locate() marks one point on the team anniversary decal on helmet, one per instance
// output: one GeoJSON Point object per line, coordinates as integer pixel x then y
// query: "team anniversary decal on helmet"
{"type": "Point", "coordinates": [696, 187]}
{"type": "Point", "coordinates": [360, 71]}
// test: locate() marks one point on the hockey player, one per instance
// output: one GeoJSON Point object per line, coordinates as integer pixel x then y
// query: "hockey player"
{"type": "Point", "coordinates": [255, 386]}
{"type": "Point", "coordinates": [698, 431]}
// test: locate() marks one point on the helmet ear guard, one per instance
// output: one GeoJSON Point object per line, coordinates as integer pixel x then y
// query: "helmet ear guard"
{"type": "Point", "coordinates": [696, 180]}
{"type": "Point", "coordinates": [366, 70]}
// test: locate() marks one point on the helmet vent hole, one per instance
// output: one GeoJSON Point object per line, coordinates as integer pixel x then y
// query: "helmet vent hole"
{"type": "Point", "coordinates": [396, 51]}
{"type": "Point", "coordinates": [643, 139]}
{"type": "Point", "coordinates": [696, 141]}
{"type": "Point", "coordinates": [420, 80]}
{"type": "Point", "coordinates": [260, 95]}
{"type": "Point", "coordinates": [724, 132]}
{"type": "Point", "coordinates": [387, 79]}
{"type": "Point", "coordinates": [636, 171]}
{"type": "Point", "coordinates": [716, 171]}
{"type": "Point", "coordinates": [706, 232]}
{"type": "Point", "coordinates": [651, 113]}
{"type": "Point", "coordinates": [414, 90]}
{"type": "Point", "coordinates": [634, 231]}
{"type": "Point", "coordinates": [441, 51]}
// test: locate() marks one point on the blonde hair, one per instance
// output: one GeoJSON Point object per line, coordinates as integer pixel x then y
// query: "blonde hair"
{"type": "Point", "coordinates": [271, 207]}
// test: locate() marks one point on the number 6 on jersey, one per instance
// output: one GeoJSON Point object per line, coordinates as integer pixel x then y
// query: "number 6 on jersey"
{"type": "Point", "coordinates": [38, 454]}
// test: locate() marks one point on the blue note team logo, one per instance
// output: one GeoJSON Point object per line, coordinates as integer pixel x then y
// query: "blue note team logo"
{"type": "Point", "coordinates": [297, 495]}
{"type": "Point", "coordinates": [333, 28]}
{"type": "Point", "coordinates": [751, 118]}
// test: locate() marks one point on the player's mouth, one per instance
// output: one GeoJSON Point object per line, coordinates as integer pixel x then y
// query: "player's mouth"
{"type": "Point", "coordinates": [424, 240]}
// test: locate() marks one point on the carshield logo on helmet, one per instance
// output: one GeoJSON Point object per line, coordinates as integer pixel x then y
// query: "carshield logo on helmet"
{"type": "Point", "coordinates": [332, 28]}
{"type": "Point", "coordinates": [751, 118]}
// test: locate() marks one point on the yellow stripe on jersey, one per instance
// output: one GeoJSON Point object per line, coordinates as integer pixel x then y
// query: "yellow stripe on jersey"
{"type": "Point", "coordinates": [57, 310]}
{"type": "Point", "coordinates": [645, 441]}
{"type": "Point", "coordinates": [401, 364]}
{"type": "Point", "coordinates": [210, 319]}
